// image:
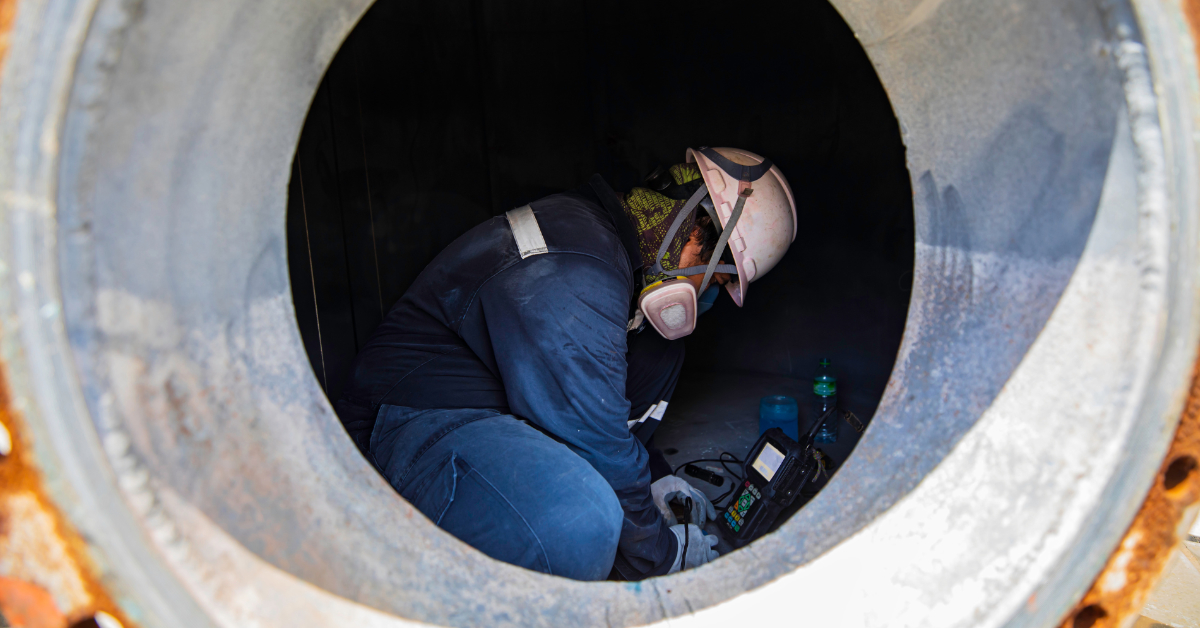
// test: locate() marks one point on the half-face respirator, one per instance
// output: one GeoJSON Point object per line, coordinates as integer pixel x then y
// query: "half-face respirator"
{"type": "Point", "coordinates": [670, 305]}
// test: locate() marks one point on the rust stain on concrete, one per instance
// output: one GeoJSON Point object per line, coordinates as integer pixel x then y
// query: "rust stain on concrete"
{"type": "Point", "coordinates": [8, 14]}
{"type": "Point", "coordinates": [46, 575]}
{"type": "Point", "coordinates": [1191, 11]}
{"type": "Point", "coordinates": [28, 606]}
{"type": "Point", "coordinates": [1123, 586]}
{"type": "Point", "coordinates": [37, 544]}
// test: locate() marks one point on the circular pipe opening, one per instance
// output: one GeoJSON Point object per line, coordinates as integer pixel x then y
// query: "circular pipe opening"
{"type": "Point", "coordinates": [512, 107]}
{"type": "Point", "coordinates": [1053, 260]}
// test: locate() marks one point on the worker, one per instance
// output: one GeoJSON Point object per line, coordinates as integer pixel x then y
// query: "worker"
{"type": "Point", "coordinates": [510, 393]}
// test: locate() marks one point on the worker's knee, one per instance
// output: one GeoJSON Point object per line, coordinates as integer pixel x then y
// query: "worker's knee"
{"type": "Point", "coordinates": [519, 497]}
{"type": "Point", "coordinates": [582, 532]}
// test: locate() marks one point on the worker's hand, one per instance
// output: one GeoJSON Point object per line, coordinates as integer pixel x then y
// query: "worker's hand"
{"type": "Point", "coordinates": [673, 488]}
{"type": "Point", "coordinates": [699, 547]}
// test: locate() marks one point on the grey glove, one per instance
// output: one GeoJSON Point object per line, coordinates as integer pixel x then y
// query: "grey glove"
{"type": "Point", "coordinates": [673, 488]}
{"type": "Point", "coordinates": [699, 547]}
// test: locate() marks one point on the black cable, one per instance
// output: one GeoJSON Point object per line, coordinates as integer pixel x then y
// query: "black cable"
{"type": "Point", "coordinates": [734, 459]}
{"type": "Point", "coordinates": [676, 469]}
{"type": "Point", "coordinates": [740, 477]}
{"type": "Point", "coordinates": [723, 496]}
{"type": "Point", "coordinates": [812, 432]}
{"type": "Point", "coordinates": [687, 519]}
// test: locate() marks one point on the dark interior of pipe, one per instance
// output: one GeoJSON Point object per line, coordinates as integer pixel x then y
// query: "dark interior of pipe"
{"type": "Point", "coordinates": [436, 116]}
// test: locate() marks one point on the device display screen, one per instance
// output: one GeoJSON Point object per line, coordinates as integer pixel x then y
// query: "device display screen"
{"type": "Point", "coordinates": [768, 461]}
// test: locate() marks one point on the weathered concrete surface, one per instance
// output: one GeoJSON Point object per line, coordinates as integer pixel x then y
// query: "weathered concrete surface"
{"type": "Point", "coordinates": [1176, 600]}
{"type": "Point", "coordinates": [144, 152]}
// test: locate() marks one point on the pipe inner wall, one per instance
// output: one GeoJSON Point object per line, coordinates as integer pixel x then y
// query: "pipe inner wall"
{"type": "Point", "coordinates": [146, 152]}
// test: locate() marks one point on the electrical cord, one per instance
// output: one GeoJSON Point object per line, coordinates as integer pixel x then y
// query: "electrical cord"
{"type": "Point", "coordinates": [740, 477]}
{"type": "Point", "coordinates": [687, 520]}
{"type": "Point", "coordinates": [733, 459]}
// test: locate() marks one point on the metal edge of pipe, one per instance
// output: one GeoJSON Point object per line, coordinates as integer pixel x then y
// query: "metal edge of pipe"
{"type": "Point", "coordinates": [47, 574]}
{"type": "Point", "coordinates": [105, 545]}
{"type": "Point", "coordinates": [1142, 556]}
{"type": "Point", "coordinates": [1140, 560]}
{"type": "Point", "coordinates": [1136, 557]}
{"type": "Point", "coordinates": [39, 548]}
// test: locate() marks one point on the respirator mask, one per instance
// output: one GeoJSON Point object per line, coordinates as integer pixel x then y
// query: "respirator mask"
{"type": "Point", "coordinates": [671, 305]}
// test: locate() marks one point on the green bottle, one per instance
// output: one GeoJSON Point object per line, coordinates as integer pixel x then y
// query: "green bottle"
{"type": "Point", "coordinates": [825, 390]}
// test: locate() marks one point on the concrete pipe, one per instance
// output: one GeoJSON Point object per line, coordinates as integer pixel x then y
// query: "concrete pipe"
{"type": "Point", "coordinates": [160, 391]}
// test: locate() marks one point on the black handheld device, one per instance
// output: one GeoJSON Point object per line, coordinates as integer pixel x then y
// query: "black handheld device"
{"type": "Point", "coordinates": [776, 468]}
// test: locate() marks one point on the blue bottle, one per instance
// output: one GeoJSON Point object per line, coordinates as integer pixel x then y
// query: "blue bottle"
{"type": "Point", "coordinates": [781, 412]}
{"type": "Point", "coordinates": [825, 390]}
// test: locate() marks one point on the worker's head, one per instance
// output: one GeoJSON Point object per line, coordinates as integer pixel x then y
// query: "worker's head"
{"type": "Point", "coordinates": [766, 226]}
{"type": "Point", "coordinates": [757, 213]}
{"type": "Point", "coordinates": [698, 251]}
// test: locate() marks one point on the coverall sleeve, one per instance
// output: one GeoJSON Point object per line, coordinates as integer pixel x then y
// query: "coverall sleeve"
{"type": "Point", "coordinates": [557, 326]}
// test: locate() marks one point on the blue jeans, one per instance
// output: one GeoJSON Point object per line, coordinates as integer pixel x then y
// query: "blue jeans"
{"type": "Point", "coordinates": [502, 487]}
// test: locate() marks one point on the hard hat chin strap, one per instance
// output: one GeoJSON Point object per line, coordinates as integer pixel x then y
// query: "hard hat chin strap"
{"type": "Point", "coordinates": [707, 204]}
{"type": "Point", "coordinates": [687, 210]}
{"type": "Point", "coordinates": [724, 239]}
{"type": "Point", "coordinates": [714, 265]}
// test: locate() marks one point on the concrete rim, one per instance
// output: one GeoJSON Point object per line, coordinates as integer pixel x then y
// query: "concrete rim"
{"type": "Point", "coordinates": [147, 304]}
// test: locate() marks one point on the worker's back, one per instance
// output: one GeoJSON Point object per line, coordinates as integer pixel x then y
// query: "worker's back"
{"type": "Point", "coordinates": [434, 349]}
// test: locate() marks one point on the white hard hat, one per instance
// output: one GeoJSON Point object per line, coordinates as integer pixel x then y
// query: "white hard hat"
{"type": "Point", "coordinates": [756, 215]}
{"type": "Point", "coordinates": [767, 225]}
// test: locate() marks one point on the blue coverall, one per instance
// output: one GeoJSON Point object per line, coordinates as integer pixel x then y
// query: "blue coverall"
{"type": "Point", "coordinates": [495, 395]}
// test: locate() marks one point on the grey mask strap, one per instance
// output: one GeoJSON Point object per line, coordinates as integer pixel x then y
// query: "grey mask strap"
{"type": "Point", "coordinates": [700, 270]}
{"type": "Point", "coordinates": [690, 206]}
{"type": "Point", "coordinates": [723, 240]}
{"type": "Point", "coordinates": [707, 204]}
